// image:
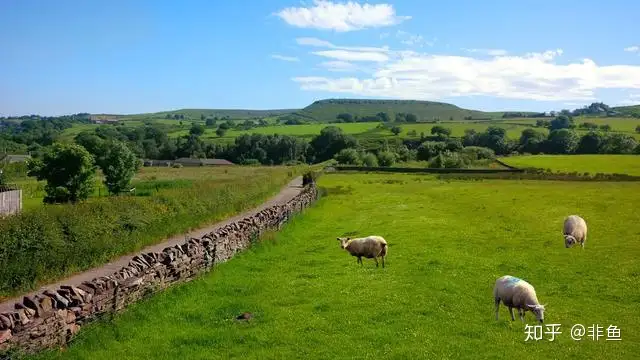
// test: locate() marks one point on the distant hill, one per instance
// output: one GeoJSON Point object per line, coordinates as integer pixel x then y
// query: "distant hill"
{"type": "Point", "coordinates": [327, 110]}
{"type": "Point", "coordinates": [633, 110]}
{"type": "Point", "coordinates": [195, 114]}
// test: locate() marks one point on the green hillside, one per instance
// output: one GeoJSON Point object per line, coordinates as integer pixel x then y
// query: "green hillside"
{"type": "Point", "coordinates": [195, 114]}
{"type": "Point", "coordinates": [327, 110]}
{"type": "Point", "coordinates": [628, 110]}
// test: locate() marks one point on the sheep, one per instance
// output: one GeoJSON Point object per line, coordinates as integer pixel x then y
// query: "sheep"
{"type": "Point", "coordinates": [519, 294]}
{"type": "Point", "coordinates": [574, 231]}
{"type": "Point", "coordinates": [369, 247]}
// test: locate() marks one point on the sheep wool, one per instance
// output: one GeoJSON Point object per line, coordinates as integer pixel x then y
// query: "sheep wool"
{"type": "Point", "coordinates": [370, 247]}
{"type": "Point", "coordinates": [516, 293]}
{"type": "Point", "coordinates": [574, 231]}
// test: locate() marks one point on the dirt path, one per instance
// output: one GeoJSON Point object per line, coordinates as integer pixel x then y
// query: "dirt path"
{"type": "Point", "coordinates": [287, 193]}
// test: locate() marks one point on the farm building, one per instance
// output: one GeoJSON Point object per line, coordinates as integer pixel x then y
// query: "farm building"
{"type": "Point", "coordinates": [103, 119]}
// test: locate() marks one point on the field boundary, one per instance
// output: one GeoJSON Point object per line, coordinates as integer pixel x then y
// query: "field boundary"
{"type": "Point", "coordinates": [427, 170]}
{"type": "Point", "coordinates": [52, 318]}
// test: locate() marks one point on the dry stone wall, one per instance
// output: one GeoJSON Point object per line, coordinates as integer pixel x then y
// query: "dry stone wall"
{"type": "Point", "coordinates": [52, 318]}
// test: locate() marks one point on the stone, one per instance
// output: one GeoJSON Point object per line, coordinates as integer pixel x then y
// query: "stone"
{"type": "Point", "coordinates": [6, 321]}
{"type": "Point", "coordinates": [87, 289]}
{"type": "Point", "coordinates": [5, 335]}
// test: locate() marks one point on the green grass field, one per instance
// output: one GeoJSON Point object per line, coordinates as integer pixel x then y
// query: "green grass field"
{"type": "Point", "coordinates": [608, 164]}
{"type": "Point", "coordinates": [449, 242]}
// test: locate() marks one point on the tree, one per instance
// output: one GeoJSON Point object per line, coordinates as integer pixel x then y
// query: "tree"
{"type": "Point", "coordinates": [605, 127]}
{"type": "Point", "coordinates": [386, 158]}
{"type": "Point", "coordinates": [330, 141]}
{"type": "Point", "coordinates": [440, 130]}
{"type": "Point", "coordinates": [69, 171]}
{"type": "Point", "coordinates": [348, 157]}
{"type": "Point", "coordinates": [621, 144]}
{"type": "Point", "coordinates": [119, 164]}
{"type": "Point", "coordinates": [221, 131]}
{"type": "Point", "coordinates": [562, 141]}
{"type": "Point", "coordinates": [396, 130]}
{"type": "Point", "coordinates": [345, 117]}
{"type": "Point", "coordinates": [93, 143]}
{"type": "Point", "coordinates": [383, 116]}
{"type": "Point", "coordinates": [196, 129]}
{"type": "Point", "coordinates": [369, 160]}
{"type": "Point", "coordinates": [531, 141]}
{"type": "Point", "coordinates": [561, 122]}
{"type": "Point", "coordinates": [638, 129]}
{"type": "Point", "coordinates": [411, 118]}
{"type": "Point", "coordinates": [430, 149]}
{"type": "Point", "coordinates": [210, 122]}
{"type": "Point", "coordinates": [590, 143]}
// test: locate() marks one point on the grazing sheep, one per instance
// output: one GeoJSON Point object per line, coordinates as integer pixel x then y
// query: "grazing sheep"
{"type": "Point", "coordinates": [368, 247]}
{"type": "Point", "coordinates": [519, 294]}
{"type": "Point", "coordinates": [574, 231]}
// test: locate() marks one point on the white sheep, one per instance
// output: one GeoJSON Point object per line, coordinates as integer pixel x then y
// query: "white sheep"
{"type": "Point", "coordinates": [369, 247]}
{"type": "Point", "coordinates": [574, 231]}
{"type": "Point", "coordinates": [519, 294]}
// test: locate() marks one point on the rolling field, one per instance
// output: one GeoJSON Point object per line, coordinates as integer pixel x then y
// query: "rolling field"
{"type": "Point", "coordinates": [608, 164]}
{"type": "Point", "coordinates": [449, 241]}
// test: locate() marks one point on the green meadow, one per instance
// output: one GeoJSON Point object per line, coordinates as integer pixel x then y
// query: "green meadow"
{"type": "Point", "coordinates": [448, 243]}
{"type": "Point", "coordinates": [592, 164]}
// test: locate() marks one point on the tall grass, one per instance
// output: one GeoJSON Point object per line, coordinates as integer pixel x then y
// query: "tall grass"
{"type": "Point", "coordinates": [49, 242]}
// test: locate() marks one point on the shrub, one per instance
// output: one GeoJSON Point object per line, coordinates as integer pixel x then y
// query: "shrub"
{"type": "Point", "coordinates": [251, 162]}
{"type": "Point", "coordinates": [46, 243]}
{"type": "Point", "coordinates": [370, 160]}
{"type": "Point", "coordinates": [430, 149]}
{"type": "Point", "coordinates": [69, 170]}
{"type": "Point", "coordinates": [478, 153]}
{"type": "Point", "coordinates": [447, 160]}
{"type": "Point", "coordinates": [348, 156]}
{"type": "Point", "coordinates": [386, 158]}
{"type": "Point", "coordinates": [177, 166]}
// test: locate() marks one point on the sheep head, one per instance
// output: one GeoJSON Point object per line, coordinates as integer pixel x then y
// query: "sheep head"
{"type": "Point", "coordinates": [538, 311]}
{"type": "Point", "coordinates": [569, 241]}
{"type": "Point", "coordinates": [344, 241]}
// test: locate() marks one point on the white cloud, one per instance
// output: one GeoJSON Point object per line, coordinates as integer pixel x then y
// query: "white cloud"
{"type": "Point", "coordinates": [413, 39]}
{"type": "Point", "coordinates": [632, 48]}
{"type": "Point", "coordinates": [308, 41]}
{"type": "Point", "coordinates": [491, 52]}
{"type": "Point", "coordinates": [341, 17]}
{"type": "Point", "coordinates": [285, 58]}
{"type": "Point", "coordinates": [339, 66]}
{"type": "Point", "coordinates": [346, 55]}
{"type": "Point", "coordinates": [384, 36]}
{"type": "Point", "coordinates": [532, 76]}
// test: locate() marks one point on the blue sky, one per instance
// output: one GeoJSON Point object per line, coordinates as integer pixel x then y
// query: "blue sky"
{"type": "Point", "coordinates": [145, 56]}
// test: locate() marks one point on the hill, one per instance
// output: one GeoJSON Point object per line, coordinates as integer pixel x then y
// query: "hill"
{"type": "Point", "coordinates": [632, 110]}
{"type": "Point", "coordinates": [327, 110]}
{"type": "Point", "coordinates": [195, 114]}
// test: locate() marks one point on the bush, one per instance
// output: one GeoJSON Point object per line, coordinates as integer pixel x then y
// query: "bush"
{"type": "Point", "coordinates": [369, 160]}
{"type": "Point", "coordinates": [177, 166]}
{"type": "Point", "coordinates": [478, 153]}
{"type": "Point", "coordinates": [46, 243]}
{"type": "Point", "coordinates": [348, 156]}
{"type": "Point", "coordinates": [404, 154]}
{"type": "Point", "coordinates": [448, 160]}
{"type": "Point", "coordinates": [386, 158]}
{"type": "Point", "coordinates": [251, 162]}
{"type": "Point", "coordinates": [430, 149]}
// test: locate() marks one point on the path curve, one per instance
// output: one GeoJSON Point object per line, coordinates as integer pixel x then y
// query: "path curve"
{"type": "Point", "coordinates": [287, 193]}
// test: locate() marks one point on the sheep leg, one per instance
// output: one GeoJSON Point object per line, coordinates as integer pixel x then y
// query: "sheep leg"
{"type": "Point", "coordinates": [383, 262]}
{"type": "Point", "coordinates": [511, 312]}
{"type": "Point", "coordinates": [360, 260]}
{"type": "Point", "coordinates": [497, 301]}
{"type": "Point", "coordinates": [521, 313]}
{"type": "Point", "coordinates": [376, 259]}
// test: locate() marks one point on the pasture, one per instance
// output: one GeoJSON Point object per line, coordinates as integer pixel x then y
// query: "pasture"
{"type": "Point", "coordinates": [592, 164]}
{"type": "Point", "coordinates": [449, 242]}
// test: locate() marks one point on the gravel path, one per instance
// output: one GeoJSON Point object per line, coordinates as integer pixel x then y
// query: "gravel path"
{"type": "Point", "coordinates": [287, 193]}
